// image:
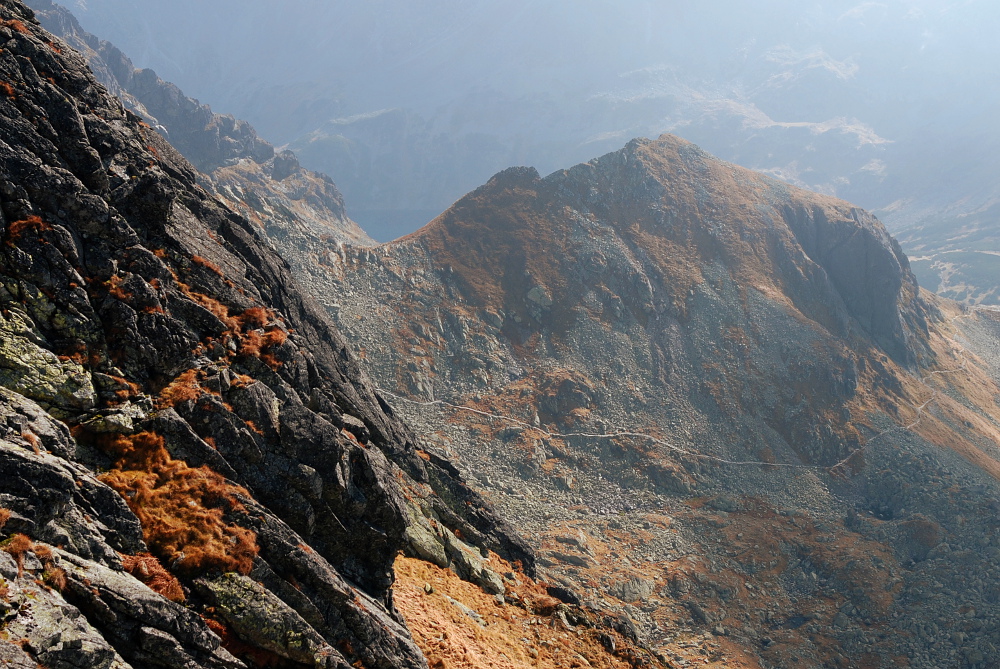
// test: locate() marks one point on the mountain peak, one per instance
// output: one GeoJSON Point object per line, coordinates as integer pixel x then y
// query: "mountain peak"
{"type": "Point", "coordinates": [681, 210]}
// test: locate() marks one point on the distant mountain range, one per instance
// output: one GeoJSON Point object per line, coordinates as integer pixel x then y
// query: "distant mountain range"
{"type": "Point", "coordinates": [888, 105]}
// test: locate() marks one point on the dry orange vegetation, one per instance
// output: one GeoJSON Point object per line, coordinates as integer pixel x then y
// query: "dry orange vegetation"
{"type": "Point", "coordinates": [33, 223]}
{"type": "Point", "coordinates": [207, 264]}
{"type": "Point", "coordinates": [182, 509]}
{"type": "Point", "coordinates": [150, 571]}
{"type": "Point", "coordinates": [508, 636]}
{"type": "Point", "coordinates": [15, 25]}
{"type": "Point", "coordinates": [19, 545]}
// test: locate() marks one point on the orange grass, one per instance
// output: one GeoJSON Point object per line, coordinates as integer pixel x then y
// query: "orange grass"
{"type": "Point", "coordinates": [181, 508]}
{"type": "Point", "coordinates": [18, 228]}
{"type": "Point", "coordinates": [16, 547]}
{"type": "Point", "coordinates": [146, 568]}
{"type": "Point", "coordinates": [15, 25]}
{"type": "Point", "coordinates": [184, 388]}
{"type": "Point", "coordinates": [207, 264]}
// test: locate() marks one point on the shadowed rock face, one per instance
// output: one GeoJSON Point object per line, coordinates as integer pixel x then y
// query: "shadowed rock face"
{"type": "Point", "coordinates": [149, 336]}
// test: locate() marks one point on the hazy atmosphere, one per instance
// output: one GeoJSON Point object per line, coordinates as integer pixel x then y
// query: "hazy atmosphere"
{"type": "Point", "coordinates": [520, 335]}
{"type": "Point", "coordinates": [410, 105]}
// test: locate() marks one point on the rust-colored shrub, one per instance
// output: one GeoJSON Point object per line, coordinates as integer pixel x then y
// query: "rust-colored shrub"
{"type": "Point", "coordinates": [54, 47]}
{"type": "Point", "coordinates": [7, 89]}
{"type": "Point", "coordinates": [251, 344]}
{"type": "Point", "coordinates": [275, 337]}
{"type": "Point", "coordinates": [128, 389]}
{"type": "Point", "coordinates": [241, 381]}
{"type": "Point", "coordinates": [146, 568]}
{"type": "Point", "coordinates": [114, 288]}
{"type": "Point", "coordinates": [54, 577]}
{"type": "Point", "coordinates": [42, 552]}
{"type": "Point", "coordinates": [271, 361]}
{"type": "Point", "coordinates": [257, 345]}
{"type": "Point", "coordinates": [207, 264]}
{"type": "Point", "coordinates": [218, 309]}
{"type": "Point", "coordinates": [254, 317]}
{"type": "Point", "coordinates": [33, 441]}
{"type": "Point", "coordinates": [4, 516]}
{"type": "Point", "coordinates": [16, 546]}
{"type": "Point", "coordinates": [184, 388]}
{"type": "Point", "coordinates": [34, 223]}
{"type": "Point", "coordinates": [181, 508]}
{"type": "Point", "coordinates": [15, 25]}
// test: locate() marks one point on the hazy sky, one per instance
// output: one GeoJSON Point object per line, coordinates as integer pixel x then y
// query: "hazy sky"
{"type": "Point", "coordinates": [836, 96]}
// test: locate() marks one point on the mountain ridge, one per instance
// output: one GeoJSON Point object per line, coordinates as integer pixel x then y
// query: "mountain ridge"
{"type": "Point", "coordinates": [713, 374]}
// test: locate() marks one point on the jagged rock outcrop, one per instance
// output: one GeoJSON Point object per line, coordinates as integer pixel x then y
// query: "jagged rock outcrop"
{"type": "Point", "coordinates": [173, 408]}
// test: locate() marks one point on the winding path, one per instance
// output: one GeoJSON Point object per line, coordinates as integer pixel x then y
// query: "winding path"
{"type": "Point", "coordinates": [919, 409]}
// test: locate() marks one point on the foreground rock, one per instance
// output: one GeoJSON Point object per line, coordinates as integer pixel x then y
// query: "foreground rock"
{"type": "Point", "coordinates": [173, 409]}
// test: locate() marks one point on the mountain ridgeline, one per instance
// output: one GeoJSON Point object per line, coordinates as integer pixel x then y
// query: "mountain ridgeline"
{"type": "Point", "coordinates": [719, 404]}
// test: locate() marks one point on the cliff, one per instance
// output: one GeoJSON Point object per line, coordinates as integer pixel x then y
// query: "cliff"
{"type": "Point", "coordinates": [196, 472]}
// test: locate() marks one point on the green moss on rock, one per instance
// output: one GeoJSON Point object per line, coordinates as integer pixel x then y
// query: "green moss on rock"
{"type": "Point", "coordinates": [37, 373]}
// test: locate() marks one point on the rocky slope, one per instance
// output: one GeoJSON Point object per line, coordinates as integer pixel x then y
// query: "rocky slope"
{"type": "Point", "coordinates": [718, 405]}
{"type": "Point", "coordinates": [196, 472]}
{"type": "Point", "coordinates": [267, 186]}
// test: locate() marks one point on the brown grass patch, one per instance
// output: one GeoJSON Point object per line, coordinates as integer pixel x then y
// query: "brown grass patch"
{"type": "Point", "coordinates": [7, 89]}
{"type": "Point", "coordinates": [207, 264]}
{"type": "Point", "coordinates": [255, 317]}
{"type": "Point", "coordinates": [19, 545]}
{"type": "Point", "coordinates": [185, 388]}
{"type": "Point", "coordinates": [16, 26]}
{"type": "Point", "coordinates": [55, 578]}
{"type": "Point", "coordinates": [4, 516]}
{"type": "Point", "coordinates": [16, 546]}
{"type": "Point", "coordinates": [181, 508]}
{"type": "Point", "coordinates": [115, 290]}
{"type": "Point", "coordinates": [450, 638]}
{"type": "Point", "coordinates": [32, 439]}
{"type": "Point", "coordinates": [146, 568]}
{"type": "Point", "coordinates": [31, 224]}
